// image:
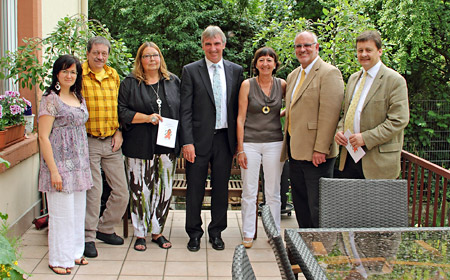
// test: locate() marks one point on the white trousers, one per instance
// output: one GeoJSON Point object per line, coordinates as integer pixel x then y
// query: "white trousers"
{"type": "Point", "coordinates": [65, 227]}
{"type": "Point", "coordinates": [269, 155]}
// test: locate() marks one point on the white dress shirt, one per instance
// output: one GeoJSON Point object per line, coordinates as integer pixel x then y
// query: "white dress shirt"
{"type": "Point", "coordinates": [307, 70]}
{"type": "Point", "coordinates": [371, 74]}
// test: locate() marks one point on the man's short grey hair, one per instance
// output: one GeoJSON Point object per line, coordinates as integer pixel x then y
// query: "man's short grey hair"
{"type": "Point", "coordinates": [98, 40]}
{"type": "Point", "coordinates": [211, 32]}
{"type": "Point", "coordinates": [307, 31]}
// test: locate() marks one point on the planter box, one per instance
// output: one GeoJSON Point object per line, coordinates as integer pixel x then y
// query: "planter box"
{"type": "Point", "coordinates": [11, 135]}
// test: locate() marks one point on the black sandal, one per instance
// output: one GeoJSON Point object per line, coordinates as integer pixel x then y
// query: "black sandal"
{"type": "Point", "coordinates": [140, 242]}
{"type": "Point", "coordinates": [161, 241]}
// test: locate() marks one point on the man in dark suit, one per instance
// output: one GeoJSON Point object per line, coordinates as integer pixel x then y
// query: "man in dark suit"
{"type": "Point", "coordinates": [209, 107]}
{"type": "Point", "coordinates": [314, 95]}
{"type": "Point", "coordinates": [376, 112]}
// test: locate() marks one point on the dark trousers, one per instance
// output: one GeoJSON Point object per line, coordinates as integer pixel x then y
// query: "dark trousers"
{"type": "Point", "coordinates": [220, 158]}
{"type": "Point", "coordinates": [304, 178]}
{"type": "Point", "coordinates": [351, 170]}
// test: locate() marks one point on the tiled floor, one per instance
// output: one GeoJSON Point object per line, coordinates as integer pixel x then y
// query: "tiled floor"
{"type": "Point", "coordinates": [124, 263]}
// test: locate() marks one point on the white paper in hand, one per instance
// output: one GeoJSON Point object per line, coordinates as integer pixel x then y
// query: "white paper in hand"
{"type": "Point", "coordinates": [167, 133]}
{"type": "Point", "coordinates": [356, 154]}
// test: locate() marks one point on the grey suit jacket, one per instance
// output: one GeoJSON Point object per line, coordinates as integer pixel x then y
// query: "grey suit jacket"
{"type": "Point", "coordinates": [314, 112]}
{"type": "Point", "coordinates": [384, 116]}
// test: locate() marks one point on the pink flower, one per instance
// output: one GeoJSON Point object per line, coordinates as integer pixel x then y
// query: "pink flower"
{"type": "Point", "coordinates": [15, 109]}
{"type": "Point", "coordinates": [1, 111]}
{"type": "Point", "coordinates": [27, 102]}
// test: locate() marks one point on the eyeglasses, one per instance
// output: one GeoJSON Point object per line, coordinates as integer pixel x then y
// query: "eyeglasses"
{"type": "Point", "coordinates": [306, 46]}
{"type": "Point", "coordinates": [97, 53]}
{"type": "Point", "coordinates": [67, 73]}
{"type": "Point", "coordinates": [147, 56]}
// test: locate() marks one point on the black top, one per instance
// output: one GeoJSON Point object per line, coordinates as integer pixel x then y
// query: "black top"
{"type": "Point", "coordinates": [139, 140]}
{"type": "Point", "coordinates": [165, 112]}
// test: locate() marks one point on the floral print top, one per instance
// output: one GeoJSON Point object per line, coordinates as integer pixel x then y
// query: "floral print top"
{"type": "Point", "coordinates": [69, 144]}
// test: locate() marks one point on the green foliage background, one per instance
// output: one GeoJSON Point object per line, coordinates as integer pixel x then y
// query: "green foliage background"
{"type": "Point", "coordinates": [415, 34]}
{"type": "Point", "coordinates": [69, 37]}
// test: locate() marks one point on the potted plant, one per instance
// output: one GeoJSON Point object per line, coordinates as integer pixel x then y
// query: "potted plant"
{"type": "Point", "coordinates": [12, 121]}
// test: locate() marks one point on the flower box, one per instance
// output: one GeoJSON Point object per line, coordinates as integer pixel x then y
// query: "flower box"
{"type": "Point", "coordinates": [11, 135]}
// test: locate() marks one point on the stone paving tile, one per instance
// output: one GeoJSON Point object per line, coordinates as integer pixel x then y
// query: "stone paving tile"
{"type": "Point", "coordinates": [124, 263]}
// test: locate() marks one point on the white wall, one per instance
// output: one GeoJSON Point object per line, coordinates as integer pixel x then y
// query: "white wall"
{"type": "Point", "coordinates": [18, 189]}
{"type": "Point", "coordinates": [54, 10]}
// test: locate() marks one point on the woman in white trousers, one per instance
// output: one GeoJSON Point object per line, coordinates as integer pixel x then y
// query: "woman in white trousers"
{"type": "Point", "coordinates": [260, 139]}
{"type": "Point", "coordinates": [64, 172]}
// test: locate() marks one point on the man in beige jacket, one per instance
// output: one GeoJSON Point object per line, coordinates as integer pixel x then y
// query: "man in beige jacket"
{"type": "Point", "coordinates": [378, 117]}
{"type": "Point", "coordinates": [314, 96]}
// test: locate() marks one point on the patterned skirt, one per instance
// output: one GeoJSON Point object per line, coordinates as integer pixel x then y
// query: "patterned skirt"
{"type": "Point", "coordinates": [150, 183]}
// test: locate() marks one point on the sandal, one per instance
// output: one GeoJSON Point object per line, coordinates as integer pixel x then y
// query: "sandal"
{"type": "Point", "coordinates": [161, 241]}
{"type": "Point", "coordinates": [140, 242]}
{"type": "Point", "coordinates": [81, 261]}
{"type": "Point", "coordinates": [60, 270]}
{"type": "Point", "coordinates": [247, 243]}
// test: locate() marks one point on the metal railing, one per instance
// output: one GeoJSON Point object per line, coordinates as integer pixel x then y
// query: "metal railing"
{"type": "Point", "coordinates": [427, 191]}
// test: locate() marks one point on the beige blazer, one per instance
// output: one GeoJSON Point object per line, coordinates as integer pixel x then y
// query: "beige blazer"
{"type": "Point", "coordinates": [384, 116]}
{"type": "Point", "coordinates": [314, 112]}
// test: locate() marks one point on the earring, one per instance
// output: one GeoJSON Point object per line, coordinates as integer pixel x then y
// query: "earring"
{"type": "Point", "coordinates": [57, 86]}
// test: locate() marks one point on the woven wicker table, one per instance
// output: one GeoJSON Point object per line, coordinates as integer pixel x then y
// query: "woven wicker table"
{"type": "Point", "coordinates": [371, 253]}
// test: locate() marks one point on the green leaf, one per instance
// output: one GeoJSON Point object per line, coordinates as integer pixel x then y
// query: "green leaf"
{"type": "Point", "coordinates": [7, 252]}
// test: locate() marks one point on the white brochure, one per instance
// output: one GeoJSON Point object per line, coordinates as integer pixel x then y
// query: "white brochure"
{"type": "Point", "coordinates": [167, 133]}
{"type": "Point", "coordinates": [356, 154]}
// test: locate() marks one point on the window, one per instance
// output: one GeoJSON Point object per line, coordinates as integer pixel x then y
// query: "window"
{"type": "Point", "coordinates": [8, 34]}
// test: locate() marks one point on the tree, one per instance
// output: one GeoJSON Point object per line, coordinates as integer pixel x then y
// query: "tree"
{"type": "Point", "coordinates": [70, 37]}
{"type": "Point", "coordinates": [176, 26]}
{"type": "Point", "coordinates": [420, 30]}
{"type": "Point", "coordinates": [336, 31]}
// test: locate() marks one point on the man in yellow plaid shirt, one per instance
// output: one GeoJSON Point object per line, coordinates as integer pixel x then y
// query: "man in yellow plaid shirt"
{"type": "Point", "coordinates": [100, 89]}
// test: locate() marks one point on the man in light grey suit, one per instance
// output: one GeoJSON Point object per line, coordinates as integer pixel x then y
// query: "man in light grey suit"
{"type": "Point", "coordinates": [376, 112]}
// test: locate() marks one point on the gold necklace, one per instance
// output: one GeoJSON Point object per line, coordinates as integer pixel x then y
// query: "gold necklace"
{"type": "Point", "coordinates": [265, 109]}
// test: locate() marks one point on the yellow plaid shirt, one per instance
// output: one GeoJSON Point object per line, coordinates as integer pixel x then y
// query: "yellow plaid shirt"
{"type": "Point", "coordinates": [101, 100]}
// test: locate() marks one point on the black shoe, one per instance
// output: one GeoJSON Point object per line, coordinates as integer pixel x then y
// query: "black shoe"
{"type": "Point", "coordinates": [217, 243]}
{"type": "Point", "coordinates": [111, 238]}
{"type": "Point", "coordinates": [194, 244]}
{"type": "Point", "coordinates": [89, 249]}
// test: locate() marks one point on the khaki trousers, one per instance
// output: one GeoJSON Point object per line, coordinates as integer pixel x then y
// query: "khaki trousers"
{"type": "Point", "coordinates": [102, 156]}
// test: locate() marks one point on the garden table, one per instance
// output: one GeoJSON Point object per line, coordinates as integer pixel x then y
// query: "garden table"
{"type": "Point", "coordinates": [375, 253]}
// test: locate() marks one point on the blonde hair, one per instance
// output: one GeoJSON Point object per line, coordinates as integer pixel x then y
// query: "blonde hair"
{"type": "Point", "coordinates": [138, 70]}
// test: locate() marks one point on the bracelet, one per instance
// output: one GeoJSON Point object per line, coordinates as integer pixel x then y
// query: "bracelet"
{"type": "Point", "coordinates": [241, 152]}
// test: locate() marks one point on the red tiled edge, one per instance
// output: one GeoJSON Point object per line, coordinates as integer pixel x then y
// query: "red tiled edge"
{"type": "Point", "coordinates": [19, 151]}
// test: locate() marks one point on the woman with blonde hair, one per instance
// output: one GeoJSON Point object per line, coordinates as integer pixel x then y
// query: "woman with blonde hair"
{"type": "Point", "coordinates": [146, 96]}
